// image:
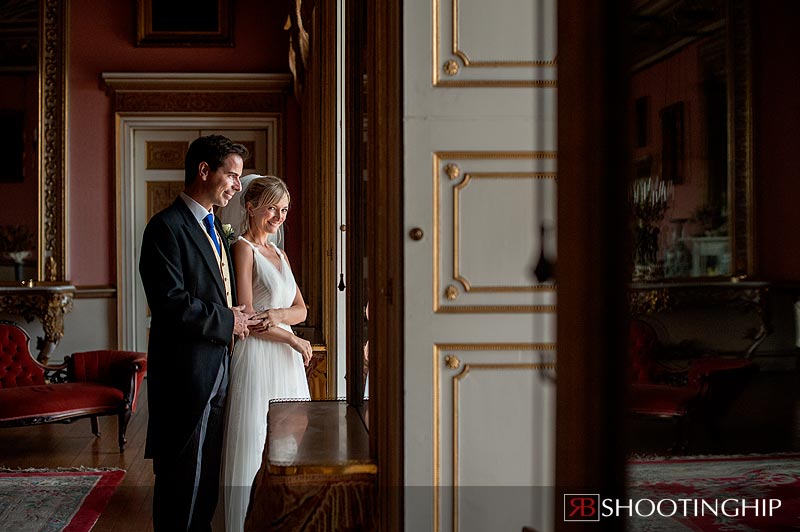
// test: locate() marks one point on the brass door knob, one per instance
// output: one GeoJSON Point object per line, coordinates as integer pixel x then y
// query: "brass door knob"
{"type": "Point", "coordinates": [416, 234]}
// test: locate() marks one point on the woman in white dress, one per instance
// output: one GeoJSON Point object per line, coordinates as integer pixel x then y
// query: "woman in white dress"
{"type": "Point", "coordinates": [269, 363]}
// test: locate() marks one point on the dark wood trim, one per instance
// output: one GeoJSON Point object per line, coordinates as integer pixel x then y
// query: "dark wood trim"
{"type": "Point", "coordinates": [385, 240]}
{"type": "Point", "coordinates": [318, 178]}
{"type": "Point", "coordinates": [357, 145]}
{"type": "Point", "coordinates": [592, 250]}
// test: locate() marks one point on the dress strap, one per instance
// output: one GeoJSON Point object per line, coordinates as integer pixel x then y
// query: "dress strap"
{"type": "Point", "coordinates": [278, 250]}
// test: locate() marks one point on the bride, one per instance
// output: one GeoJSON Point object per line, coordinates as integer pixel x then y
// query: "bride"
{"type": "Point", "coordinates": [269, 363]}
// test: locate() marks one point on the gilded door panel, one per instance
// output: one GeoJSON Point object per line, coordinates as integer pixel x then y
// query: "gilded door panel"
{"type": "Point", "coordinates": [490, 451]}
{"type": "Point", "coordinates": [480, 180]}
{"type": "Point", "coordinates": [490, 44]}
{"type": "Point", "coordinates": [497, 206]}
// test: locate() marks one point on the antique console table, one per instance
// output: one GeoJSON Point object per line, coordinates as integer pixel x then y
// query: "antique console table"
{"type": "Point", "coordinates": [48, 302]}
{"type": "Point", "coordinates": [316, 473]}
{"type": "Point", "coordinates": [649, 298]}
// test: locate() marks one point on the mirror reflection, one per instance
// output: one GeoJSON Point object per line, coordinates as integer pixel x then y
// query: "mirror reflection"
{"type": "Point", "coordinates": [19, 89]}
{"type": "Point", "coordinates": [679, 95]}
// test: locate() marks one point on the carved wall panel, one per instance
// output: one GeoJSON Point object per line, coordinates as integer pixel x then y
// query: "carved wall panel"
{"type": "Point", "coordinates": [473, 383]}
{"type": "Point", "coordinates": [498, 205]}
{"type": "Point", "coordinates": [480, 44]}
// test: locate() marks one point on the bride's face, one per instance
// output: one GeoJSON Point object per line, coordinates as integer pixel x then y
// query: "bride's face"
{"type": "Point", "coordinates": [268, 218]}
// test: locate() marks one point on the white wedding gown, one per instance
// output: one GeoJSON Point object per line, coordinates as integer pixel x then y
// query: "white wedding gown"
{"type": "Point", "coordinates": [261, 370]}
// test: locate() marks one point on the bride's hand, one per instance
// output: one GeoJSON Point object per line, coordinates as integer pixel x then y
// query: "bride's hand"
{"type": "Point", "coordinates": [271, 317]}
{"type": "Point", "coordinates": [303, 347]}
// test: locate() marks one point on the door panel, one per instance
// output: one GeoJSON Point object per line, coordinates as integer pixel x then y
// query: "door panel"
{"type": "Point", "coordinates": [480, 180]}
{"type": "Point", "coordinates": [158, 178]}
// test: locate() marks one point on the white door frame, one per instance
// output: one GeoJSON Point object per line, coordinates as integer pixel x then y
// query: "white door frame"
{"type": "Point", "coordinates": [127, 124]}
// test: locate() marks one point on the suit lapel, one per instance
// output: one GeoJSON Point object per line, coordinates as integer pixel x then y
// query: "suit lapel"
{"type": "Point", "coordinates": [198, 235]}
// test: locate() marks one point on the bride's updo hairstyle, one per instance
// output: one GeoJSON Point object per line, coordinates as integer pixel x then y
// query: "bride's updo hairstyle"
{"type": "Point", "coordinates": [263, 190]}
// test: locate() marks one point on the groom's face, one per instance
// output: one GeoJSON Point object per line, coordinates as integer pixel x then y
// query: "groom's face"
{"type": "Point", "coordinates": [223, 183]}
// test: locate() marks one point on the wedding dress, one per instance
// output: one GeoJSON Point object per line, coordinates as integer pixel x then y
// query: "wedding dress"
{"type": "Point", "coordinates": [261, 370]}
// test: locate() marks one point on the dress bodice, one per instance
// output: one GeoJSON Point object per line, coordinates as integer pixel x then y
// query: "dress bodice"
{"type": "Point", "coordinates": [272, 288]}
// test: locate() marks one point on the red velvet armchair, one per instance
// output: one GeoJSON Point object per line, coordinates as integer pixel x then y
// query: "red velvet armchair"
{"type": "Point", "coordinates": [88, 384]}
{"type": "Point", "coordinates": [704, 390]}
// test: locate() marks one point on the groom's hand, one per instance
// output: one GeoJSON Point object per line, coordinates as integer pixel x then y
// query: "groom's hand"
{"type": "Point", "coordinates": [241, 321]}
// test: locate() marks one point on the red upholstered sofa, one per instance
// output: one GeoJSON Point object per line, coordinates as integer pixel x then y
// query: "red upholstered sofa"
{"type": "Point", "coordinates": [704, 390]}
{"type": "Point", "coordinates": [87, 384]}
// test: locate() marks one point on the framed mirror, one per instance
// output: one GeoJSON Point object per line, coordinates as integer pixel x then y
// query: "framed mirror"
{"type": "Point", "coordinates": [691, 141]}
{"type": "Point", "coordinates": [33, 62]}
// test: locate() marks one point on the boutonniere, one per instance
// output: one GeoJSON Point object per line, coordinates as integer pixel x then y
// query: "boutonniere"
{"type": "Point", "coordinates": [227, 230]}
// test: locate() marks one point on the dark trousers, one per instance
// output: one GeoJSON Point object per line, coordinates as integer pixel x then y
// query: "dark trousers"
{"type": "Point", "coordinates": [186, 486]}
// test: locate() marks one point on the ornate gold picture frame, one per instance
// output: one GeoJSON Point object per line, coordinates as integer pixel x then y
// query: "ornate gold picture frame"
{"type": "Point", "coordinates": [184, 23]}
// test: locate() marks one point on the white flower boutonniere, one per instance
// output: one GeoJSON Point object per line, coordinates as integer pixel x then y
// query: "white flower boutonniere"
{"type": "Point", "coordinates": [227, 229]}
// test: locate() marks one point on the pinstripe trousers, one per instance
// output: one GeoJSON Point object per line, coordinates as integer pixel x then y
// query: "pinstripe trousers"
{"type": "Point", "coordinates": [186, 487]}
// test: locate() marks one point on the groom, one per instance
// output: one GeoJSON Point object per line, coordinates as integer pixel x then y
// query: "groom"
{"type": "Point", "coordinates": [188, 280]}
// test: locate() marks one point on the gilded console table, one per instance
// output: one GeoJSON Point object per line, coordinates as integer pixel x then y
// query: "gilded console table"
{"type": "Point", "coordinates": [654, 297]}
{"type": "Point", "coordinates": [316, 473]}
{"type": "Point", "coordinates": [46, 302]}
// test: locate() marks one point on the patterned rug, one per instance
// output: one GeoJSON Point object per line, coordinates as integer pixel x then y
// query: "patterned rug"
{"type": "Point", "coordinates": [752, 493]}
{"type": "Point", "coordinates": [55, 500]}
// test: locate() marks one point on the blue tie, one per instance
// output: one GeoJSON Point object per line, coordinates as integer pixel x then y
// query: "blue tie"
{"type": "Point", "coordinates": [208, 221]}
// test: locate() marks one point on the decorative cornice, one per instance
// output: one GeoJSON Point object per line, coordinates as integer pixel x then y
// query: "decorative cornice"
{"type": "Point", "coordinates": [195, 82]}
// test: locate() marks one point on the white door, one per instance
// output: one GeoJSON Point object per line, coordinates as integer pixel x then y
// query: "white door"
{"type": "Point", "coordinates": [480, 181]}
{"type": "Point", "coordinates": [156, 179]}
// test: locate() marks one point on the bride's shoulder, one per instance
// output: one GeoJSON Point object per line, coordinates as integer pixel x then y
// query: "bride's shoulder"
{"type": "Point", "coordinates": [242, 248]}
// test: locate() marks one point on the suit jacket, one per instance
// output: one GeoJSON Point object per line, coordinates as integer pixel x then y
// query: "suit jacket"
{"type": "Point", "coordinates": [191, 326]}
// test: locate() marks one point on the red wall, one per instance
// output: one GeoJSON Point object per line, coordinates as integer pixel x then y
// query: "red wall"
{"type": "Point", "coordinates": [672, 80]}
{"type": "Point", "coordinates": [101, 36]}
{"type": "Point", "coordinates": [776, 115]}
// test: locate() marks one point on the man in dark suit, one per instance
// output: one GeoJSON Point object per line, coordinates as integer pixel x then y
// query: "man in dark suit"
{"type": "Point", "coordinates": [190, 288]}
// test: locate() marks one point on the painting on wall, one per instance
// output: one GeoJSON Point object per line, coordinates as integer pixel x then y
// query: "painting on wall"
{"type": "Point", "coordinates": [184, 23]}
{"type": "Point", "coordinates": [12, 146]}
{"type": "Point", "coordinates": [672, 143]}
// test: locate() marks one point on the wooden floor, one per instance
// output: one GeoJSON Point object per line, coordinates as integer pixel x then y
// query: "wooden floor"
{"type": "Point", "coordinates": [765, 419]}
{"type": "Point", "coordinates": [74, 445]}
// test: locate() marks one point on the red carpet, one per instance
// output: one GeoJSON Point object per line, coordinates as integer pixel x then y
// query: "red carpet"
{"type": "Point", "coordinates": [719, 494]}
{"type": "Point", "coordinates": [55, 501]}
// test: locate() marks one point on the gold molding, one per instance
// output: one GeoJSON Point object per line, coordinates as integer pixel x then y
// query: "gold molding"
{"type": "Point", "coordinates": [52, 167]}
{"type": "Point", "coordinates": [450, 67]}
{"type": "Point", "coordinates": [472, 63]}
{"type": "Point", "coordinates": [47, 302]}
{"type": "Point", "coordinates": [438, 169]}
{"type": "Point", "coordinates": [452, 361]}
{"type": "Point", "coordinates": [451, 292]}
{"type": "Point", "coordinates": [452, 170]}
{"type": "Point", "coordinates": [456, 381]}
{"type": "Point", "coordinates": [165, 154]}
{"type": "Point", "coordinates": [457, 275]}
{"type": "Point", "coordinates": [437, 350]}
{"type": "Point", "coordinates": [497, 309]}
{"type": "Point", "coordinates": [160, 195]}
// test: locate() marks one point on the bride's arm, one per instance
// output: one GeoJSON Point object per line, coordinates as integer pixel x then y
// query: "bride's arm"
{"type": "Point", "coordinates": [290, 316]}
{"type": "Point", "coordinates": [243, 267]}
{"type": "Point", "coordinates": [276, 334]}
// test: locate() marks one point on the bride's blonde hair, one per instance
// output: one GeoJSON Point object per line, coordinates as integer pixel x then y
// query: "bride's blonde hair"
{"type": "Point", "coordinates": [263, 190]}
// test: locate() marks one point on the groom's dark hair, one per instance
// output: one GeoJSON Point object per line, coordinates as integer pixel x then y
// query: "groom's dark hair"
{"type": "Point", "coordinates": [211, 149]}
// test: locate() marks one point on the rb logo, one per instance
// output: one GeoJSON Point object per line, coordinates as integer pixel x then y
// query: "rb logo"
{"type": "Point", "coordinates": [581, 507]}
